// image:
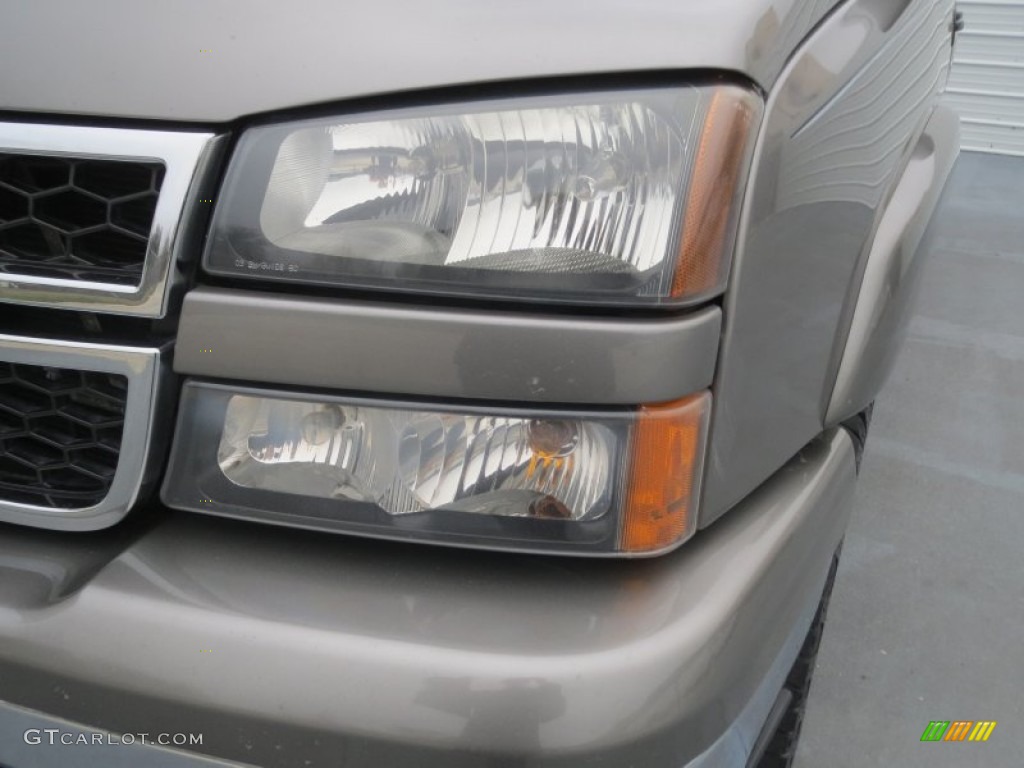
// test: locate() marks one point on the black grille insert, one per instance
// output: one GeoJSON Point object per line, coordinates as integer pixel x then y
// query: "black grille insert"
{"type": "Point", "coordinates": [76, 219]}
{"type": "Point", "coordinates": [60, 434]}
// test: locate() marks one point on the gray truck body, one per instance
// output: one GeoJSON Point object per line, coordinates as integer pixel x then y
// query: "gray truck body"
{"type": "Point", "coordinates": [290, 647]}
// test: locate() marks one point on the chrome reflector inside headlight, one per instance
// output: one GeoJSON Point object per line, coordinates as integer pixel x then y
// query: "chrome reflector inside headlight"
{"type": "Point", "coordinates": [602, 482]}
{"type": "Point", "coordinates": [409, 461]}
{"type": "Point", "coordinates": [622, 197]}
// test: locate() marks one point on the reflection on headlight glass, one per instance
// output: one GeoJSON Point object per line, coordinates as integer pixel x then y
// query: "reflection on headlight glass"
{"type": "Point", "coordinates": [584, 189]}
{"type": "Point", "coordinates": [409, 461]}
{"type": "Point", "coordinates": [610, 198]}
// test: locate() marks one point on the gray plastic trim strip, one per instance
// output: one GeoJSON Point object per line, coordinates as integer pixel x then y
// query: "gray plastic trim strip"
{"type": "Point", "coordinates": [397, 349]}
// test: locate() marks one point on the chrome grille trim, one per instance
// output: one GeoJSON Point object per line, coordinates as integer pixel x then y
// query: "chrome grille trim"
{"type": "Point", "coordinates": [188, 158]}
{"type": "Point", "coordinates": [148, 398]}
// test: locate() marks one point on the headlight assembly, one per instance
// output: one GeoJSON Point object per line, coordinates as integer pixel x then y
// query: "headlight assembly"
{"type": "Point", "coordinates": [596, 482]}
{"type": "Point", "coordinates": [625, 197]}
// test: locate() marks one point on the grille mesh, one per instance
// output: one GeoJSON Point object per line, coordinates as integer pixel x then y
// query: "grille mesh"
{"type": "Point", "coordinates": [60, 434]}
{"type": "Point", "coordinates": [76, 219]}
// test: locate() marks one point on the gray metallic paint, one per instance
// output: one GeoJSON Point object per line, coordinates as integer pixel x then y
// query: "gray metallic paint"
{"type": "Point", "coordinates": [214, 61]}
{"type": "Point", "coordinates": [400, 349]}
{"type": "Point", "coordinates": [326, 649]}
{"type": "Point", "coordinates": [331, 649]}
{"type": "Point", "coordinates": [732, 748]}
{"type": "Point", "coordinates": [838, 129]}
{"type": "Point", "coordinates": [892, 275]}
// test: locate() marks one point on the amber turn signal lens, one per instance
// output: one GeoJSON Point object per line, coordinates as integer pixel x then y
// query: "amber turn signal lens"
{"type": "Point", "coordinates": [715, 194]}
{"type": "Point", "coordinates": [667, 460]}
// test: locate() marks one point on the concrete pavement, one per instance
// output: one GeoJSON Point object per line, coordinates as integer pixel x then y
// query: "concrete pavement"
{"type": "Point", "coordinates": [927, 618]}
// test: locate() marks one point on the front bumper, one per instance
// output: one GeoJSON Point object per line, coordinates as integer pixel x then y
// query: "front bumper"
{"type": "Point", "coordinates": [292, 648]}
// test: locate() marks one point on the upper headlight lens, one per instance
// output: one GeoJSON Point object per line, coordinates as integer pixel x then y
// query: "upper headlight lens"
{"type": "Point", "coordinates": [600, 198]}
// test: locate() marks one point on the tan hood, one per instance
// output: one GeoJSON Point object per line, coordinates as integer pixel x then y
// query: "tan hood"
{"type": "Point", "coordinates": [217, 60]}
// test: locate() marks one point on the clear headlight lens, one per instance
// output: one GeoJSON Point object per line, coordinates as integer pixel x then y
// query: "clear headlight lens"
{"type": "Point", "coordinates": [606, 482]}
{"type": "Point", "coordinates": [621, 198]}
{"type": "Point", "coordinates": [409, 461]}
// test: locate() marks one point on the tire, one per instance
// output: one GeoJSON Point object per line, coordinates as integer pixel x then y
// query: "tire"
{"type": "Point", "coordinates": [781, 748]}
{"type": "Point", "coordinates": [858, 426]}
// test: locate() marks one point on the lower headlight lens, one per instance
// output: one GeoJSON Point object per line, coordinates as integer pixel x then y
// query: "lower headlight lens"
{"type": "Point", "coordinates": [409, 461]}
{"type": "Point", "coordinates": [605, 482]}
